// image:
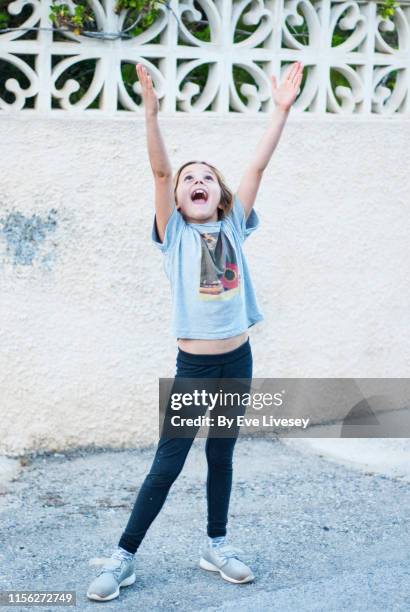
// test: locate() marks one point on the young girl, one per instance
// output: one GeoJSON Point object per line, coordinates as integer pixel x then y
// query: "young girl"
{"type": "Point", "coordinates": [199, 226]}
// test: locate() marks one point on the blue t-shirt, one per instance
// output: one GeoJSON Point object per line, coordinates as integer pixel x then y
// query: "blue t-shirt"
{"type": "Point", "coordinates": [212, 292]}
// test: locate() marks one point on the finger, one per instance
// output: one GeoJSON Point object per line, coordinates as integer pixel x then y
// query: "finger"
{"type": "Point", "coordinates": [298, 82]}
{"type": "Point", "coordinates": [294, 78]}
{"type": "Point", "coordinates": [287, 72]}
{"type": "Point", "coordinates": [145, 77]}
{"type": "Point", "coordinates": [292, 71]}
{"type": "Point", "coordinates": [299, 69]}
{"type": "Point", "coordinates": [273, 79]}
{"type": "Point", "coordinates": [140, 72]}
{"type": "Point", "coordinates": [144, 74]}
{"type": "Point", "coordinates": [142, 69]}
{"type": "Point", "coordinates": [140, 75]}
{"type": "Point", "coordinates": [298, 73]}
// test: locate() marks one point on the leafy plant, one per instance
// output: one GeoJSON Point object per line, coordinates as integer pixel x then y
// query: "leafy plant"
{"type": "Point", "coordinates": [141, 14]}
{"type": "Point", "coordinates": [387, 8]}
{"type": "Point", "coordinates": [61, 16]}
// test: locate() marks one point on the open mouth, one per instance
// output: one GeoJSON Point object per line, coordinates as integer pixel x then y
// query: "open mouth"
{"type": "Point", "coordinates": [199, 196]}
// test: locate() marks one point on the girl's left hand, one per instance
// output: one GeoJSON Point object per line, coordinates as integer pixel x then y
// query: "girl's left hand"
{"type": "Point", "coordinates": [285, 95]}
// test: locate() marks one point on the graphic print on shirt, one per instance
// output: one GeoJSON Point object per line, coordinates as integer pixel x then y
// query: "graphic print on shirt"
{"type": "Point", "coordinates": [220, 277]}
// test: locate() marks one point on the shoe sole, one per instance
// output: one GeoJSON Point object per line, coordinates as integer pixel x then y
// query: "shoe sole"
{"type": "Point", "coordinates": [126, 582]}
{"type": "Point", "coordinates": [210, 567]}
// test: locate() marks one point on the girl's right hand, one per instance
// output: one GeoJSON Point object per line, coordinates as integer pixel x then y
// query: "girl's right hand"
{"type": "Point", "coordinates": [148, 93]}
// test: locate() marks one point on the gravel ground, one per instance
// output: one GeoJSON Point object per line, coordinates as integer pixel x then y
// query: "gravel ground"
{"type": "Point", "coordinates": [318, 535]}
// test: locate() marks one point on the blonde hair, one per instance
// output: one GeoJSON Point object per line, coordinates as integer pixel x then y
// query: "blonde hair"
{"type": "Point", "coordinates": [226, 194]}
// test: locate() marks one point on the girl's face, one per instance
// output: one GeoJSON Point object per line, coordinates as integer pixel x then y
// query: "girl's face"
{"type": "Point", "coordinates": [198, 194]}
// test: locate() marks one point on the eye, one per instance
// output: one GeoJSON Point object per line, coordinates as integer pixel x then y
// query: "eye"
{"type": "Point", "coordinates": [187, 176]}
{"type": "Point", "coordinates": [210, 176]}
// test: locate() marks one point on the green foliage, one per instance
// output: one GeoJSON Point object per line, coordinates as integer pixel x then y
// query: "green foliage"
{"type": "Point", "coordinates": [387, 8]}
{"type": "Point", "coordinates": [61, 16]}
{"type": "Point", "coordinates": [141, 14]}
{"type": "Point", "coordinates": [4, 19]}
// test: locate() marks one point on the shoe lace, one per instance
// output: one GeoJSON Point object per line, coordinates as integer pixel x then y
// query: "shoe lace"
{"type": "Point", "coordinates": [108, 564]}
{"type": "Point", "coordinates": [227, 551]}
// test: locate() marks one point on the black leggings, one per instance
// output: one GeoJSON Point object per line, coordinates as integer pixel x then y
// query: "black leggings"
{"type": "Point", "coordinates": [171, 453]}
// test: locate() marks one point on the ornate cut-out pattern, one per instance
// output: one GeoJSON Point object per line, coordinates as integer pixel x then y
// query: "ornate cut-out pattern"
{"type": "Point", "coordinates": [209, 56]}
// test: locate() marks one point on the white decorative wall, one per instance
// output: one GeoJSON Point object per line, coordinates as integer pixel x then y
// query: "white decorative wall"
{"type": "Point", "coordinates": [372, 54]}
{"type": "Point", "coordinates": [84, 302]}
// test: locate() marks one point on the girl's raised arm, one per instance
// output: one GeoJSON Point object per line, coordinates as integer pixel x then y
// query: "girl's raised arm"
{"type": "Point", "coordinates": [283, 96]}
{"type": "Point", "coordinates": [161, 167]}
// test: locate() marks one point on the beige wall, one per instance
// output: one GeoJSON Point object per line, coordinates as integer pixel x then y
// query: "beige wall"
{"type": "Point", "coordinates": [85, 323]}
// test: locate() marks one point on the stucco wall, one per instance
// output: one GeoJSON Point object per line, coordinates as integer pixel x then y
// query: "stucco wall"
{"type": "Point", "coordinates": [84, 302]}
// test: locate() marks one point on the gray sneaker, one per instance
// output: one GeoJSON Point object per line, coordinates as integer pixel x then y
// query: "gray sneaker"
{"type": "Point", "coordinates": [115, 573]}
{"type": "Point", "coordinates": [225, 560]}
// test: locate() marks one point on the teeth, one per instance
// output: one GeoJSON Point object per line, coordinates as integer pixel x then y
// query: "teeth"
{"type": "Point", "coordinates": [199, 191]}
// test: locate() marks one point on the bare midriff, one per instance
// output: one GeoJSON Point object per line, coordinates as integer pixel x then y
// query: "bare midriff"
{"type": "Point", "coordinates": [212, 347]}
